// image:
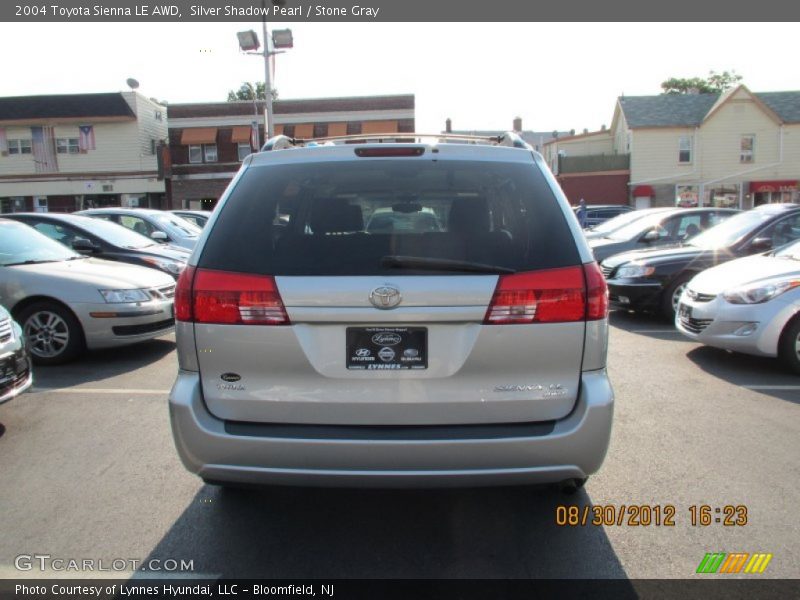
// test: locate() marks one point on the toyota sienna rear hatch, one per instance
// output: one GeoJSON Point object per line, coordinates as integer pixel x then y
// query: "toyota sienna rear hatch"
{"type": "Point", "coordinates": [390, 285]}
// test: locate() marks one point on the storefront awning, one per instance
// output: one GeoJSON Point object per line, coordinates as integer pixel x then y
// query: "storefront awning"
{"type": "Point", "coordinates": [773, 186]}
{"type": "Point", "coordinates": [641, 191]}
{"type": "Point", "coordinates": [199, 135]}
{"type": "Point", "coordinates": [240, 134]}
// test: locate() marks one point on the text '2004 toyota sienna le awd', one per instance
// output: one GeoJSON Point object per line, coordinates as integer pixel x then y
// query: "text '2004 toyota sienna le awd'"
{"type": "Point", "coordinates": [315, 352]}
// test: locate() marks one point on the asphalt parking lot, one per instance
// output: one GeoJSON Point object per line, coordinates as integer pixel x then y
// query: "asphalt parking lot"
{"type": "Point", "coordinates": [88, 470]}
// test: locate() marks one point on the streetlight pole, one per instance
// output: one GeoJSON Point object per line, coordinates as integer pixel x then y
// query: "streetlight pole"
{"type": "Point", "coordinates": [249, 44]}
{"type": "Point", "coordinates": [254, 126]}
{"type": "Point", "coordinates": [269, 127]}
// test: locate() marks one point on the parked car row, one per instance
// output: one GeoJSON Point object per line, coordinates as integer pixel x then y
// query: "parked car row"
{"type": "Point", "coordinates": [734, 286]}
{"type": "Point", "coordinates": [103, 239]}
{"type": "Point", "coordinates": [66, 302]}
{"type": "Point", "coordinates": [61, 278]}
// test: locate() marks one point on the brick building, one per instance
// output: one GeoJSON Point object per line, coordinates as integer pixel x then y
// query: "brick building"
{"type": "Point", "coordinates": [208, 141]}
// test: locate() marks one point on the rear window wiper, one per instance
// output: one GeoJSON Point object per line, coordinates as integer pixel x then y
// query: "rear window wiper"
{"type": "Point", "coordinates": [440, 264]}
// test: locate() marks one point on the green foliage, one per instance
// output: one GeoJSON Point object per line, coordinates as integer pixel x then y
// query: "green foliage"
{"type": "Point", "coordinates": [713, 84]}
{"type": "Point", "coordinates": [245, 92]}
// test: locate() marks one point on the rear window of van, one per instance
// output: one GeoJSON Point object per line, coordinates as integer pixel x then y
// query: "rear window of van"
{"type": "Point", "coordinates": [347, 217]}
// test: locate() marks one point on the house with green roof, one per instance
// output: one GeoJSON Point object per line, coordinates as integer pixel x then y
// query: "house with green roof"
{"type": "Point", "coordinates": [738, 148]}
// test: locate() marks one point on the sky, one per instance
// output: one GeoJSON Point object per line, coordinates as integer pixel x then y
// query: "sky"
{"type": "Point", "coordinates": [481, 75]}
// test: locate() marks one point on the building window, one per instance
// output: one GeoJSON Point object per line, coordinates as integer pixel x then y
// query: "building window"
{"type": "Point", "coordinates": [685, 149]}
{"type": "Point", "coordinates": [354, 128]}
{"type": "Point", "coordinates": [158, 116]}
{"type": "Point", "coordinates": [320, 130]}
{"type": "Point", "coordinates": [747, 148]}
{"type": "Point", "coordinates": [19, 146]}
{"type": "Point", "coordinates": [210, 152]}
{"type": "Point", "coordinates": [244, 150]}
{"type": "Point", "coordinates": [195, 154]}
{"type": "Point", "coordinates": [288, 130]}
{"type": "Point", "coordinates": [67, 146]}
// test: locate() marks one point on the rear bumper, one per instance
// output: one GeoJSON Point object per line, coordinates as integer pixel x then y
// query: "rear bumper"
{"type": "Point", "coordinates": [574, 448]}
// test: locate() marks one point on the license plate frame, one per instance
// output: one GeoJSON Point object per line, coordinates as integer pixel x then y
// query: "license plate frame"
{"type": "Point", "coordinates": [386, 348]}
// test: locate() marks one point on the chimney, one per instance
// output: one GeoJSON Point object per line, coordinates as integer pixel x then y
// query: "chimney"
{"type": "Point", "coordinates": [448, 126]}
{"type": "Point", "coordinates": [517, 123]}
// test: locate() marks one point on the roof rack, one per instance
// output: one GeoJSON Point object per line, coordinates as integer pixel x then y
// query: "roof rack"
{"type": "Point", "coordinates": [282, 142]}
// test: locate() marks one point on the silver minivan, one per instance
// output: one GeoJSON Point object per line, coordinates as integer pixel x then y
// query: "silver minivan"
{"type": "Point", "coordinates": [315, 352]}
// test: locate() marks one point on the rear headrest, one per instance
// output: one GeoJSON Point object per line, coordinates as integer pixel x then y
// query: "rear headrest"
{"type": "Point", "coordinates": [335, 216]}
{"type": "Point", "coordinates": [469, 215]}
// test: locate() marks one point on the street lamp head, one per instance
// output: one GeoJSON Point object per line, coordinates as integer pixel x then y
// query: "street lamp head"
{"type": "Point", "coordinates": [282, 38]}
{"type": "Point", "coordinates": [248, 40]}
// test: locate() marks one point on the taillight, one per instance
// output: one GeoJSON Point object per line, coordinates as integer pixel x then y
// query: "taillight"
{"type": "Point", "coordinates": [551, 296]}
{"type": "Point", "coordinates": [232, 299]}
{"type": "Point", "coordinates": [597, 292]}
{"type": "Point", "coordinates": [183, 295]}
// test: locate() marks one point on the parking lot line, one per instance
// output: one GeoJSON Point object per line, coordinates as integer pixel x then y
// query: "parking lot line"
{"type": "Point", "coordinates": [80, 390]}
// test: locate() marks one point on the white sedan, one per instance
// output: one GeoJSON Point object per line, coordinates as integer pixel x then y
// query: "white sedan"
{"type": "Point", "coordinates": [749, 305]}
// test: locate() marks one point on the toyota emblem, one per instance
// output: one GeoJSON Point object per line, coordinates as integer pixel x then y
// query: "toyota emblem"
{"type": "Point", "coordinates": [385, 297]}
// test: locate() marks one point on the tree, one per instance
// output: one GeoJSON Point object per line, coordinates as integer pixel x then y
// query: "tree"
{"type": "Point", "coordinates": [245, 92]}
{"type": "Point", "coordinates": [723, 81]}
{"type": "Point", "coordinates": [715, 83]}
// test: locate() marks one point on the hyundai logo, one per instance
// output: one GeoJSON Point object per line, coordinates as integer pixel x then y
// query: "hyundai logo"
{"type": "Point", "coordinates": [386, 339]}
{"type": "Point", "coordinates": [363, 352]}
{"type": "Point", "coordinates": [385, 297]}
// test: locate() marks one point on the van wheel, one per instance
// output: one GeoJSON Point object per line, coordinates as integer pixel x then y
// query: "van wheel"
{"type": "Point", "coordinates": [672, 296]}
{"type": "Point", "coordinates": [53, 334]}
{"type": "Point", "coordinates": [789, 346]}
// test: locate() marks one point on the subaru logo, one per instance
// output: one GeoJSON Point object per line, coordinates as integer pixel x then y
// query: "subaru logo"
{"type": "Point", "coordinates": [385, 297]}
{"type": "Point", "coordinates": [386, 339]}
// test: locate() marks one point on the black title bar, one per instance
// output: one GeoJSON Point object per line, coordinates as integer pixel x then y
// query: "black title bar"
{"type": "Point", "coordinates": [277, 11]}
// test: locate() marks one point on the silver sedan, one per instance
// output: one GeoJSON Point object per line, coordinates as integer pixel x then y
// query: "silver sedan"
{"type": "Point", "coordinates": [66, 302]}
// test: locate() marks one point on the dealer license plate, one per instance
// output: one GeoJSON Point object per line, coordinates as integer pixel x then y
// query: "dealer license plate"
{"type": "Point", "coordinates": [387, 348]}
